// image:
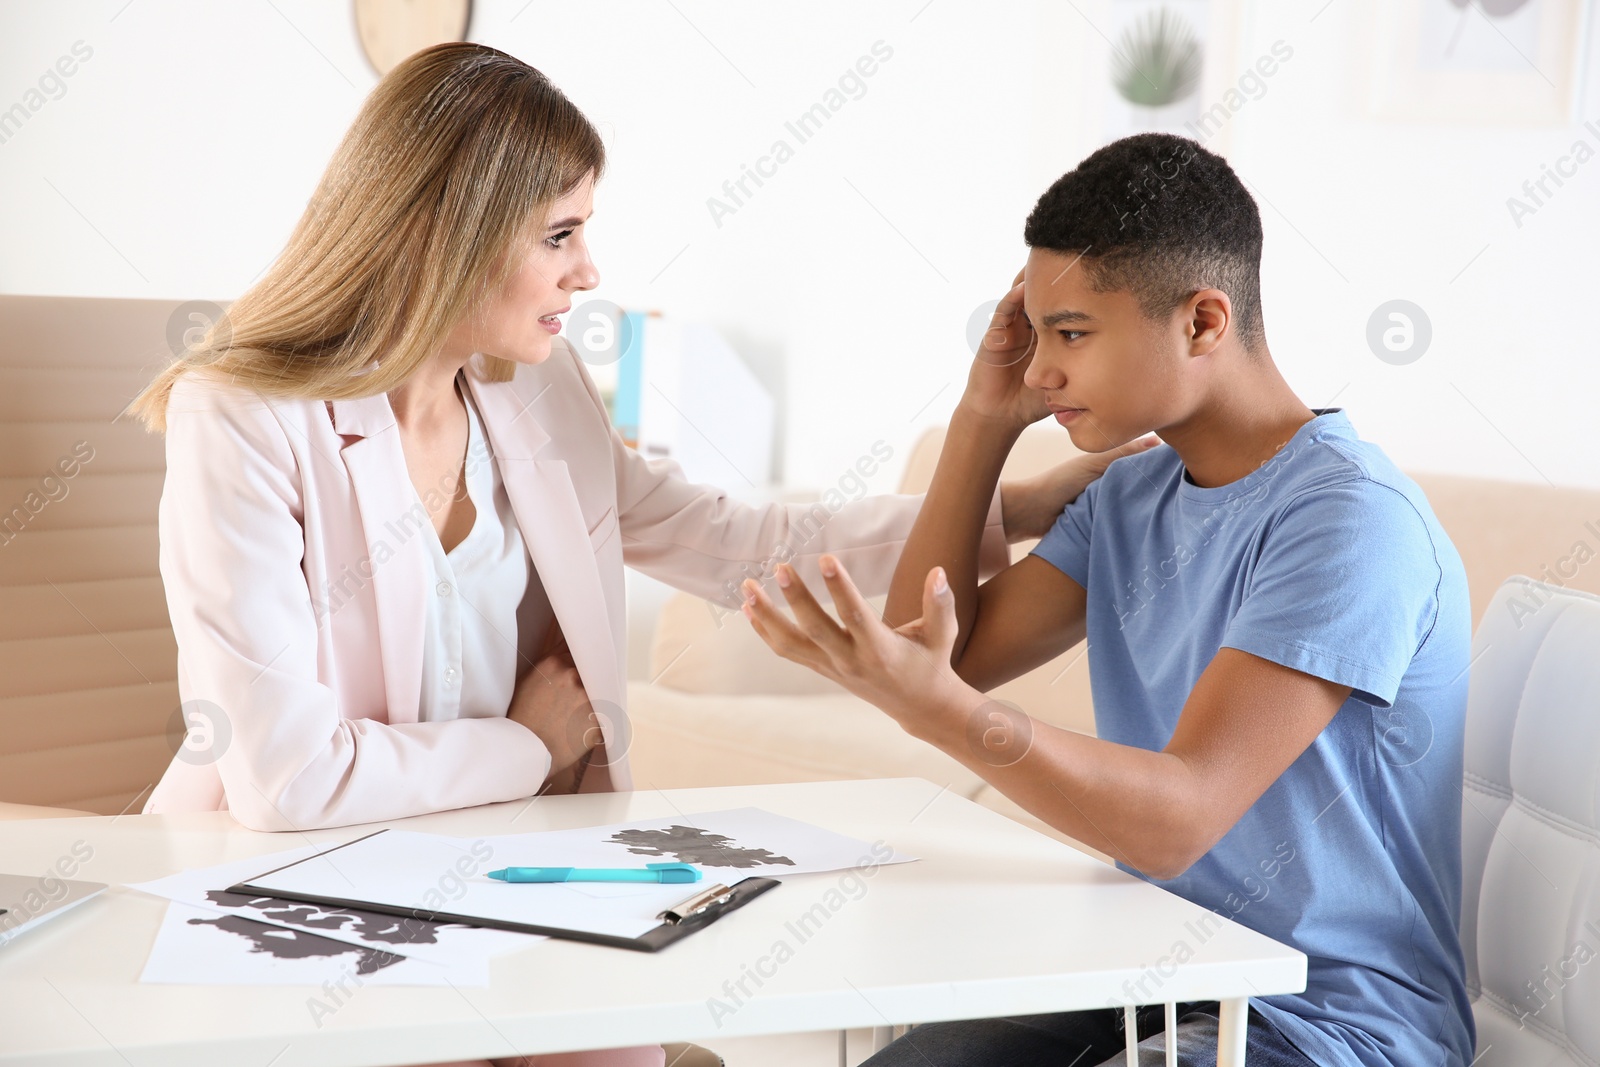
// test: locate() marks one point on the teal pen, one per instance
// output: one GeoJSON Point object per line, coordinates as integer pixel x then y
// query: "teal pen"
{"type": "Point", "coordinates": [652, 872]}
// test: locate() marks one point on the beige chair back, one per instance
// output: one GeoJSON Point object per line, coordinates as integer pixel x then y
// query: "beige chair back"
{"type": "Point", "coordinates": [88, 665]}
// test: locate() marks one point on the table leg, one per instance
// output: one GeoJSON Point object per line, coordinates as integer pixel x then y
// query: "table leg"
{"type": "Point", "coordinates": [881, 1036]}
{"type": "Point", "coordinates": [1172, 1035]}
{"type": "Point", "coordinates": [1231, 1032]}
{"type": "Point", "coordinates": [1130, 1028]}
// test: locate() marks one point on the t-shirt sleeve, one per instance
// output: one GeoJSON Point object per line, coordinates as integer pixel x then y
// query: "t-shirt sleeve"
{"type": "Point", "coordinates": [1066, 544]}
{"type": "Point", "coordinates": [1345, 588]}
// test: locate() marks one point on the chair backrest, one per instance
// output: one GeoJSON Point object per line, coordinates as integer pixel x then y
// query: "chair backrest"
{"type": "Point", "coordinates": [88, 665]}
{"type": "Point", "coordinates": [1530, 917]}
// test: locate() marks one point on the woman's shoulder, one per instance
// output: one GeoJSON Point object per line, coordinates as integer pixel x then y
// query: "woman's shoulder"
{"type": "Point", "coordinates": [207, 402]}
{"type": "Point", "coordinates": [204, 388]}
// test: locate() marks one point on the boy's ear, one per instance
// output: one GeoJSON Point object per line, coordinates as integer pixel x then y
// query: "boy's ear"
{"type": "Point", "coordinates": [1209, 313]}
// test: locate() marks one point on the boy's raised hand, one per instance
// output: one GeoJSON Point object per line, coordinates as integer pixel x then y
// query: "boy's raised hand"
{"type": "Point", "coordinates": [995, 389]}
{"type": "Point", "coordinates": [905, 670]}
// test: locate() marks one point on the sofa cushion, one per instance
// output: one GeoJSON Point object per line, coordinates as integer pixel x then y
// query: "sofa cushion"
{"type": "Point", "coordinates": [701, 647]}
{"type": "Point", "coordinates": [695, 739]}
{"type": "Point", "coordinates": [1549, 533]}
{"type": "Point", "coordinates": [689, 739]}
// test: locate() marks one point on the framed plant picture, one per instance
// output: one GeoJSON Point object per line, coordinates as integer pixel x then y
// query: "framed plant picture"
{"type": "Point", "coordinates": [1482, 62]}
{"type": "Point", "coordinates": [1171, 68]}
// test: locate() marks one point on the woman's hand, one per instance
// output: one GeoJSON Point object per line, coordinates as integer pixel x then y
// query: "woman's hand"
{"type": "Point", "coordinates": [904, 671]}
{"type": "Point", "coordinates": [994, 384]}
{"type": "Point", "coordinates": [550, 700]}
{"type": "Point", "coordinates": [1030, 506]}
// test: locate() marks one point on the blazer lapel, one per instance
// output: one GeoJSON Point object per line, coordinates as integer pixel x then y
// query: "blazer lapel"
{"type": "Point", "coordinates": [548, 513]}
{"type": "Point", "coordinates": [551, 519]}
{"type": "Point", "coordinates": [394, 523]}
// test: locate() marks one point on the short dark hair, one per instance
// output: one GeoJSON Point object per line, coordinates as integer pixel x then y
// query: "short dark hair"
{"type": "Point", "coordinates": [1158, 215]}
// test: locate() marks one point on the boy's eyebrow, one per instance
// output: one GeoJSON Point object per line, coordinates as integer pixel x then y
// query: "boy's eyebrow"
{"type": "Point", "coordinates": [1056, 318]}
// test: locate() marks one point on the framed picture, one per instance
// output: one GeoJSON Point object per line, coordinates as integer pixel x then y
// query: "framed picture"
{"type": "Point", "coordinates": [1173, 68]}
{"type": "Point", "coordinates": [1483, 62]}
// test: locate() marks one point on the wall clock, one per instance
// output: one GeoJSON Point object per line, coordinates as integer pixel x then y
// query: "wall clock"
{"type": "Point", "coordinates": [390, 30]}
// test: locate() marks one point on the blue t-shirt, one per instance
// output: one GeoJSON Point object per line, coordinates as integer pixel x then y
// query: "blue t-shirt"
{"type": "Point", "coordinates": [1326, 559]}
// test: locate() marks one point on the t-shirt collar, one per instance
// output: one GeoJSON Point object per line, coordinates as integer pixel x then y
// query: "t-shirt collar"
{"type": "Point", "coordinates": [1324, 421]}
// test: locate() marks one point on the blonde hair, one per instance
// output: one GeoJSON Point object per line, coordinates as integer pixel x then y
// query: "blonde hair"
{"type": "Point", "coordinates": [438, 189]}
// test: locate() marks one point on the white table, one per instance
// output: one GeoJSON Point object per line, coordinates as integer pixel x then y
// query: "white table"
{"type": "Point", "coordinates": [995, 919]}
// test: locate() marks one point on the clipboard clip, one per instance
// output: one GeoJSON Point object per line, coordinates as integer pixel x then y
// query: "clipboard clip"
{"type": "Point", "coordinates": [684, 909]}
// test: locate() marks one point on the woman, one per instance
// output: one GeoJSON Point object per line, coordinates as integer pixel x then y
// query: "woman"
{"type": "Point", "coordinates": [395, 513]}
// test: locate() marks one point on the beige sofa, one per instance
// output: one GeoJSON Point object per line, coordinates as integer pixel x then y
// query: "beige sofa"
{"type": "Point", "coordinates": [88, 692]}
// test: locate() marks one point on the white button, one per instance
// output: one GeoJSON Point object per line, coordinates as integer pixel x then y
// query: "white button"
{"type": "Point", "coordinates": [443, 588]}
{"type": "Point", "coordinates": [450, 676]}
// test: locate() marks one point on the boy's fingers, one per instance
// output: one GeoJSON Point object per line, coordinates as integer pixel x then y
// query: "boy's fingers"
{"type": "Point", "coordinates": [1006, 311]}
{"type": "Point", "coordinates": [781, 635]}
{"type": "Point", "coordinates": [854, 611]}
{"type": "Point", "coordinates": [938, 615]}
{"type": "Point", "coordinates": [809, 617]}
{"type": "Point", "coordinates": [790, 651]}
{"type": "Point", "coordinates": [1011, 301]}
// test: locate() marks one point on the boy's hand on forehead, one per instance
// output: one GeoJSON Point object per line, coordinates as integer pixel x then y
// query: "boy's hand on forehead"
{"type": "Point", "coordinates": [995, 389]}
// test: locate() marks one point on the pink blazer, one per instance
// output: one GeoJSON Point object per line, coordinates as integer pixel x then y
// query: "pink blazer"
{"type": "Point", "coordinates": [292, 553]}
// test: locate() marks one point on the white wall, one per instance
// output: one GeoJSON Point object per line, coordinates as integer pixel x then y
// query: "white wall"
{"type": "Point", "coordinates": [1508, 387]}
{"type": "Point", "coordinates": [184, 147]}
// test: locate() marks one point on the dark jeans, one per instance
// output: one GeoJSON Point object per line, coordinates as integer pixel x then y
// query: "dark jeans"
{"type": "Point", "coordinates": [1083, 1039]}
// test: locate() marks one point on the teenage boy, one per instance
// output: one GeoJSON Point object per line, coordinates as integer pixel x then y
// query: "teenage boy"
{"type": "Point", "coordinates": [1277, 626]}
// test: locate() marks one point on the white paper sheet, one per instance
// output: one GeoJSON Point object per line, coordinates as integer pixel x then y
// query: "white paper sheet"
{"type": "Point", "coordinates": [199, 946]}
{"type": "Point", "coordinates": [407, 869]}
{"type": "Point", "coordinates": [448, 944]}
{"type": "Point", "coordinates": [731, 844]}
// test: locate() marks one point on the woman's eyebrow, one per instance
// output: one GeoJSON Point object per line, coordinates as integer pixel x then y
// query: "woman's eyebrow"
{"type": "Point", "coordinates": [565, 223]}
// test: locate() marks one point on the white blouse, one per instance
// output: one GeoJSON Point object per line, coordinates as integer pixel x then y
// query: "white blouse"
{"type": "Point", "coordinates": [488, 607]}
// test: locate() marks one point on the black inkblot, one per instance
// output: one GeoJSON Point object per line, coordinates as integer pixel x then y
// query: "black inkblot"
{"type": "Point", "coordinates": [367, 925]}
{"type": "Point", "coordinates": [298, 945]}
{"type": "Point", "coordinates": [690, 844]}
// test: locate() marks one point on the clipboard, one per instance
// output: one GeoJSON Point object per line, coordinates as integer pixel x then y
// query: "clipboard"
{"type": "Point", "coordinates": [685, 917]}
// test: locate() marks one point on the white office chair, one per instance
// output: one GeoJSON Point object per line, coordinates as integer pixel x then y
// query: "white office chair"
{"type": "Point", "coordinates": [1530, 916]}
